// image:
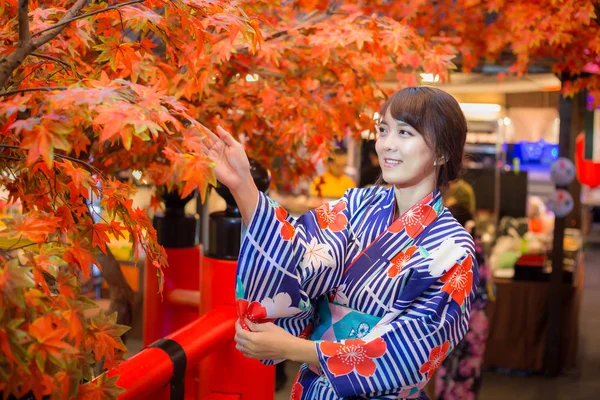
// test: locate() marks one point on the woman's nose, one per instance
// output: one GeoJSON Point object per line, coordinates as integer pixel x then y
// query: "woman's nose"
{"type": "Point", "coordinates": [388, 144]}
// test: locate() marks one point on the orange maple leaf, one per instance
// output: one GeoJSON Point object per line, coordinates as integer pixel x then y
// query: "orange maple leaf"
{"type": "Point", "coordinates": [40, 139]}
{"type": "Point", "coordinates": [104, 338]}
{"type": "Point", "coordinates": [76, 331]}
{"type": "Point", "coordinates": [48, 341]}
{"type": "Point", "coordinates": [81, 181]}
{"type": "Point", "coordinates": [116, 229]}
{"type": "Point", "coordinates": [67, 223]}
{"type": "Point", "coordinates": [66, 284]}
{"type": "Point", "coordinates": [79, 254]}
{"type": "Point", "coordinates": [126, 120]}
{"type": "Point", "coordinates": [79, 142]}
{"type": "Point", "coordinates": [192, 139]}
{"type": "Point", "coordinates": [99, 236]}
{"type": "Point", "coordinates": [36, 226]}
{"type": "Point", "coordinates": [6, 348]}
{"type": "Point", "coordinates": [101, 388]}
{"type": "Point", "coordinates": [197, 174]}
{"type": "Point", "coordinates": [116, 52]}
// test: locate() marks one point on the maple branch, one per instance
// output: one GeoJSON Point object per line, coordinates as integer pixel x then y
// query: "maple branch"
{"type": "Point", "coordinates": [11, 62]}
{"type": "Point", "coordinates": [24, 34]}
{"type": "Point", "coordinates": [260, 71]}
{"type": "Point", "coordinates": [75, 160]}
{"type": "Point", "coordinates": [33, 89]}
{"type": "Point", "coordinates": [71, 19]}
{"type": "Point", "coordinates": [56, 60]}
{"type": "Point", "coordinates": [11, 158]}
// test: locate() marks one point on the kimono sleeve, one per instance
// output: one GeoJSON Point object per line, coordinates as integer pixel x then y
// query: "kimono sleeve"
{"type": "Point", "coordinates": [398, 357]}
{"type": "Point", "coordinates": [287, 263]}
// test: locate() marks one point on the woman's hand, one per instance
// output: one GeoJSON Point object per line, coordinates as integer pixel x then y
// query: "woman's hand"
{"type": "Point", "coordinates": [232, 169]}
{"type": "Point", "coordinates": [232, 166]}
{"type": "Point", "coordinates": [264, 341]}
{"type": "Point", "coordinates": [269, 342]}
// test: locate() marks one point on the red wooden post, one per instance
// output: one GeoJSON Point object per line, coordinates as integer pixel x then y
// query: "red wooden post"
{"type": "Point", "coordinates": [179, 234]}
{"type": "Point", "coordinates": [227, 371]}
{"type": "Point", "coordinates": [163, 316]}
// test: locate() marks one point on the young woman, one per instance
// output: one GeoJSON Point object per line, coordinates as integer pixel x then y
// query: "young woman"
{"type": "Point", "coordinates": [372, 291]}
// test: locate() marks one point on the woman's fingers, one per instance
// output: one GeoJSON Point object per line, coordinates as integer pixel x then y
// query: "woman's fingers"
{"type": "Point", "coordinates": [226, 136]}
{"type": "Point", "coordinates": [211, 135]}
{"type": "Point", "coordinates": [241, 340]}
{"type": "Point", "coordinates": [205, 146]}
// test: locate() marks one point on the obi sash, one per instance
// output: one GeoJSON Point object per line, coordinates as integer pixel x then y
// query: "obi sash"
{"type": "Point", "coordinates": [338, 322]}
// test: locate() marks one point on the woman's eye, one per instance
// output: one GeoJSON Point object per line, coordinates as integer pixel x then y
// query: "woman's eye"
{"type": "Point", "coordinates": [382, 130]}
{"type": "Point", "coordinates": [405, 133]}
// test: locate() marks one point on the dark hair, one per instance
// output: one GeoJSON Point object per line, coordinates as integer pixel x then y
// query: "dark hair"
{"type": "Point", "coordinates": [438, 117]}
{"type": "Point", "coordinates": [460, 213]}
{"type": "Point", "coordinates": [338, 151]}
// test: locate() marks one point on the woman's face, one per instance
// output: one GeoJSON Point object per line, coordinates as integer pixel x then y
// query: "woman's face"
{"type": "Point", "coordinates": [404, 157]}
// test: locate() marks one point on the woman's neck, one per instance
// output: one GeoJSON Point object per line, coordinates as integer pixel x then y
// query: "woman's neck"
{"type": "Point", "coordinates": [406, 197]}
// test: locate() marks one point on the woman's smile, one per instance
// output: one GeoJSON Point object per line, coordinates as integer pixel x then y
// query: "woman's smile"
{"type": "Point", "coordinates": [391, 162]}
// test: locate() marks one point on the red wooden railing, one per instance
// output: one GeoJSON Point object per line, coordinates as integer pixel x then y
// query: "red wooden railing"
{"type": "Point", "coordinates": [198, 361]}
{"type": "Point", "coordinates": [152, 369]}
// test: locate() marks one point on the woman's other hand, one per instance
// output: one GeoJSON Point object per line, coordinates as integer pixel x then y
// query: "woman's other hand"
{"type": "Point", "coordinates": [270, 342]}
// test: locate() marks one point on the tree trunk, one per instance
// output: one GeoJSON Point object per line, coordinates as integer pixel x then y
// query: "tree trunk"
{"type": "Point", "coordinates": [120, 293]}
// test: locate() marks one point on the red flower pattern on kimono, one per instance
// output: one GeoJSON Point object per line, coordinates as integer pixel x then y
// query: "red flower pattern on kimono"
{"type": "Point", "coordinates": [254, 311]}
{"type": "Point", "coordinates": [415, 220]}
{"type": "Point", "coordinates": [297, 390]}
{"type": "Point", "coordinates": [332, 218]}
{"type": "Point", "coordinates": [287, 230]}
{"type": "Point", "coordinates": [353, 354]}
{"type": "Point", "coordinates": [307, 332]}
{"type": "Point", "coordinates": [458, 282]}
{"type": "Point", "coordinates": [400, 261]}
{"type": "Point", "coordinates": [436, 357]}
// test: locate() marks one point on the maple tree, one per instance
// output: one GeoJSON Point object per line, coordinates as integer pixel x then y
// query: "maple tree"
{"type": "Point", "coordinates": [92, 88]}
{"type": "Point", "coordinates": [558, 36]}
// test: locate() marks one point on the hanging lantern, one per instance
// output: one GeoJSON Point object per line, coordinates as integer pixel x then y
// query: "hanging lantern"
{"type": "Point", "coordinates": [560, 203]}
{"type": "Point", "coordinates": [562, 171]}
{"type": "Point", "coordinates": [588, 172]}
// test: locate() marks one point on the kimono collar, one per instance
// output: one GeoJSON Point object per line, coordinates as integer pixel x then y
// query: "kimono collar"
{"type": "Point", "coordinates": [418, 217]}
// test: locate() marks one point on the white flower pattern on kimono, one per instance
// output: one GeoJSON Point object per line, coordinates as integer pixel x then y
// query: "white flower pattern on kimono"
{"type": "Point", "coordinates": [445, 256]}
{"type": "Point", "coordinates": [317, 254]}
{"type": "Point", "coordinates": [279, 306]}
{"type": "Point", "coordinates": [378, 331]}
{"type": "Point", "coordinates": [340, 296]}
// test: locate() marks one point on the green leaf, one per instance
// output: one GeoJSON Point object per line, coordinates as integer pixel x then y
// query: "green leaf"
{"type": "Point", "coordinates": [40, 361]}
{"type": "Point", "coordinates": [14, 324]}
{"type": "Point", "coordinates": [87, 302]}
{"type": "Point", "coordinates": [423, 251]}
{"type": "Point", "coordinates": [16, 276]}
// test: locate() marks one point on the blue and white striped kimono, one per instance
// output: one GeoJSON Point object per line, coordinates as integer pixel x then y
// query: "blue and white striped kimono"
{"type": "Point", "coordinates": [385, 301]}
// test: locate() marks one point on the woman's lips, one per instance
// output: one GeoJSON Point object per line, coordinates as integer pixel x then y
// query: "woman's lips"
{"type": "Point", "coordinates": [391, 162]}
